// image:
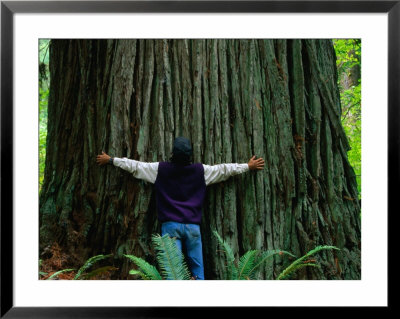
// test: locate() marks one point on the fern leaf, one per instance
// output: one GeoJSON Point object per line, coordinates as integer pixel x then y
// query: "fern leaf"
{"type": "Point", "coordinates": [89, 263]}
{"type": "Point", "coordinates": [268, 254]}
{"type": "Point", "coordinates": [170, 258]}
{"type": "Point", "coordinates": [246, 265]}
{"type": "Point", "coordinates": [319, 248]}
{"type": "Point", "coordinates": [297, 267]}
{"type": "Point", "coordinates": [149, 271]}
{"type": "Point", "coordinates": [58, 273]}
{"type": "Point", "coordinates": [293, 266]}
{"type": "Point", "coordinates": [232, 270]}
{"type": "Point", "coordinates": [137, 272]}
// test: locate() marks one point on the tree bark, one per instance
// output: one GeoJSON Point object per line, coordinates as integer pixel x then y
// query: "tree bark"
{"type": "Point", "coordinates": [276, 99]}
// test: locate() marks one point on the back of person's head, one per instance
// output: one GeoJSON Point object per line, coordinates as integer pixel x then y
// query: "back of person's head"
{"type": "Point", "coordinates": [182, 151]}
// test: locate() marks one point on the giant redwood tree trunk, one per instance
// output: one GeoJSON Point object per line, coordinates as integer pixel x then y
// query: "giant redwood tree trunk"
{"type": "Point", "coordinates": [276, 99]}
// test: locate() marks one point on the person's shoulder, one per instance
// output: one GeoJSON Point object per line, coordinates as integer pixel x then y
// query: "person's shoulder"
{"type": "Point", "coordinates": [198, 164]}
{"type": "Point", "coordinates": [162, 164]}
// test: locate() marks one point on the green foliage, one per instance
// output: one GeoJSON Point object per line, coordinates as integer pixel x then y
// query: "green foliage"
{"type": "Point", "coordinates": [44, 77]}
{"type": "Point", "coordinates": [231, 269]}
{"type": "Point", "coordinates": [58, 273]}
{"type": "Point", "coordinates": [268, 254]}
{"type": "Point", "coordinates": [89, 263]}
{"type": "Point", "coordinates": [44, 84]}
{"type": "Point", "coordinates": [44, 50]}
{"type": "Point", "coordinates": [348, 60]}
{"type": "Point", "coordinates": [251, 261]}
{"type": "Point", "coordinates": [41, 273]}
{"type": "Point", "coordinates": [81, 272]}
{"type": "Point", "coordinates": [169, 258]}
{"type": "Point", "coordinates": [172, 264]}
{"type": "Point", "coordinates": [302, 262]}
{"type": "Point", "coordinates": [43, 98]}
{"type": "Point", "coordinates": [246, 265]}
{"type": "Point", "coordinates": [147, 271]}
{"type": "Point", "coordinates": [348, 53]}
{"type": "Point", "coordinates": [249, 264]}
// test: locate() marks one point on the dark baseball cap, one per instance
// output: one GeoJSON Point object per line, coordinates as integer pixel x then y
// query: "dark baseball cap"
{"type": "Point", "coordinates": [182, 151]}
{"type": "Point", "coordinates": [182, 147]}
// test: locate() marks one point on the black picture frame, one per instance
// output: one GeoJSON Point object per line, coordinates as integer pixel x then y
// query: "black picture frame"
{"type": "Point", "coordinates": [9, 8]}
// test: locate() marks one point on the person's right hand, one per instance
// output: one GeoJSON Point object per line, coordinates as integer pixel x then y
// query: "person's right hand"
{"type": "Point", "coordinates": [256, 163]}
{"type": "Point", "coordinates": [102, 159]}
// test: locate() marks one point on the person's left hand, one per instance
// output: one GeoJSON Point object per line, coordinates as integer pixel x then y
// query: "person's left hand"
{"type": "Point", "coordinates": [103, 159]}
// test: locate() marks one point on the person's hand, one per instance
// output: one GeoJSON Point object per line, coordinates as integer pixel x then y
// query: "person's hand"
{"type": "Point", "coordinates": [256, 163]}
{"type": "Point", "coordinates": [103, 159]}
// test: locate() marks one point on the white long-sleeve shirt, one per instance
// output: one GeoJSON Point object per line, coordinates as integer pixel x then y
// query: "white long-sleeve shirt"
{"type": "Point", "coordinates": [148, 171]}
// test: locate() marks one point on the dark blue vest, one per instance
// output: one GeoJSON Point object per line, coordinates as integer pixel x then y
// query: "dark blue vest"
{"type": "Point", "coordinates": [180, 192]}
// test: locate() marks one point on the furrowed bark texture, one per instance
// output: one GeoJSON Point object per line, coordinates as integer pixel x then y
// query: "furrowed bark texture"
{"type": "Point", "coordinates": [276, 99]}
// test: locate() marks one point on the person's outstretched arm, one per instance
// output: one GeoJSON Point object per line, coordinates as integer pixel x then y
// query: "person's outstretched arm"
{"type": "Point", "coordinates": [140, 170]}
{"type": "Point", "coordinates": [221, 172]}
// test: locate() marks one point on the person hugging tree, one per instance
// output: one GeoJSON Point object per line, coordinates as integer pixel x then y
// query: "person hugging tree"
{"type": "Point", "coordinates": [180, 187]}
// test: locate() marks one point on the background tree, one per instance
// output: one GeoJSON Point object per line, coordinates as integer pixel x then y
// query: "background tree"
{"type": "Point", "coordinates": [348, 52]}
{"type": "Point", "coordinates": [44, 78]}
{"type": "Point", "coordinates": [277, 99]}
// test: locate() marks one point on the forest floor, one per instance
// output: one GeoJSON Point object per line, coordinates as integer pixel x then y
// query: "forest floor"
{"type": "Point", "coordinates": [54, 259]}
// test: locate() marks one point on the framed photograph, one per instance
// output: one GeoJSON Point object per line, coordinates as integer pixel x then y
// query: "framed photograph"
{"type": "Point", "coordinates": [153, 89]}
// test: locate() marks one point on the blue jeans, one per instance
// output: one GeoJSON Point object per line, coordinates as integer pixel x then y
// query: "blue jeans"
{"type": "Point", "coordinates": [188, 235]}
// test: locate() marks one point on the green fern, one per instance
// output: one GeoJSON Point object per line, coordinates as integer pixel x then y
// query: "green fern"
{"type": "Point", "coordinates": [147, 271]}
{"type": "Point", "coordinates": [89, 263]}
{"type": "Point", "coordinates": [263, 256]}
{"type": "Point", "coordinates": [295, 268]}
{"type": "Point", "coordinates": [232, 271]}
{"type": "Point", "coordinates": [80, 274]}
{"type": "Point", "coordinates": [249, 263]}
{"type": "Point", "coordinates": [137, 272]}
{"type": "Point", "coordinates": [58, 273]}
{"type": "Point", "coordinates": [170, 258]}
{"type": "Point", "coordinates": [298, 263]}
{"type": "Point", "coordinates": [246, 264]}
{"type": "Point", "coordinates": [171, 261]}
{"type": "Point", "coordinates": [41, 273]}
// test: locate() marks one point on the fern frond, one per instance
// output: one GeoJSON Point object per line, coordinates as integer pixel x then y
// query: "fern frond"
{"type": "Point", "coordinates": [226, 247]}
{"type": "Point", "coordinates": [246, 265]}
{"type": "Point", "coordinates": [293, 266]}
{"type": "Point", "coordinates": [268, 254]}
{"type": "Point", "coordinates": [89, 263]}
{"type": "Point", "coordinates": [148, 271]}
{"type": "Point", "coordinates": [232, 270]}
{"type": "Point", "coordinates": [319, 248]}
{"type": "Point", "coordinates": [41, 273]}
{"type": "Point", "coordinates": [58, 273]}
{"type": "Point", "coordinates": [137, 272]}
{"type": "Point", "coordinates": [170, 258]}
